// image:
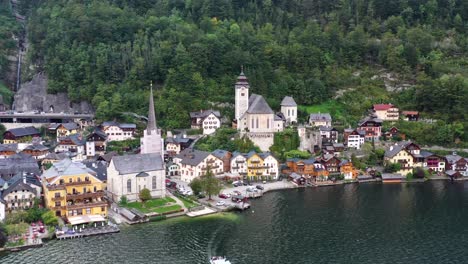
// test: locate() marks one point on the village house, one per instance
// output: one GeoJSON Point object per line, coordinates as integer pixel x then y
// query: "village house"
{"type": "Point", "coordinates": [20, 191]}
{"type": "Point", "coordinates": [309, 168]}
{"type": "Point", "coordinates": [289, 109]}
{"type": "Point", "coordinates": [36, 150]}
{"type": "Point", "coordinates": [175, 144]}
{"type": "Point", "coordinates": [96, 143]}
{"type": "Point", "coordinates": [239, 164]}
{"type": "Point", "coordinates": [372, 127]}
{"type": "Point", "coordinates": [410, 115]}
{"type": "Point", "coordinates": [331, 163]}
{"type": "Point", "coordinates": [253, 116]}
{"type": "Point", "coordinates": [7, 150]}
{"type": "Point", "coordinates": [20, 135]}
{"type": "Point", "coordinates": [329, 135]}
{"type": "Point", "coordinates": [457, 163]}
{"type": "Point", "coordinates": [225, 156]}
{"type": "Point", "coordinates": [53, 157]}
{"type": "Point", "coordinates": [72, 191]}
{"type": "Point", "coordinates": [353, 138]}
{"type": "Point", "coordinates": [195, 163]}
{"type": "Point", "coordinates": [433, 162]}
{"type": "Point", "coordinates": [74, 144]}
{"type": "Point", "coordinates": [320, 119]}
{"type": "Point", "coordinates": [128, 175]}
{"type": "Point", "coordinates": [405, 153]}
{"type": "Point", "coordinates": [172, 169]}
{"type": "Point", "coordinates": [386, 112]}
{"type": "Point", "coordinates": [118, 132]}
{"type": "Point", "coordinates": [66, 129]}
{"type": "Point", "coordinates": [348, 171]}
{"type": "Point", "coordinates": [262, 166]}
{"type": "Point", "coordinates": [208, 120]}
{"type": "Point", "coordinates": [393, 133]}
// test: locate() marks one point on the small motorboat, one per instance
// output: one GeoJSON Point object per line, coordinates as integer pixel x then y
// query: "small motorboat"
{"type": "Point", "coordinates": [219, 260]}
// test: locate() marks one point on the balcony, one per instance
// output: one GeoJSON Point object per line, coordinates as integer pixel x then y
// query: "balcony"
{"type": "Point", "coordinates": [240, 161]}
{"type": "Point", "coordinates": [254, 161]}
{"type": "Point", "coordinates": [62, 207]}
{"type": "Point", "coordinates": [210, 161]}
{"type": "Point", "coordinates": [86, 205]}
{"type": "Point", "coordinates": [57, 198]}
{"type": "Point", "coordinates": [85, 195]}
{"type": "Point", "coordinates": [55, 187]}
{"type": "Point", "coordinates": [77, 183]}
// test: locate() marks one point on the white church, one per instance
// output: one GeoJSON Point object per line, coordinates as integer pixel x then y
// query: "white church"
{"type": "Point", "coordinates": [256, 119]}
{"type": "Point", "coordinates": [127, 175]}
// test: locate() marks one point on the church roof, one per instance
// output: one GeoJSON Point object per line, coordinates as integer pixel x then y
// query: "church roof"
{"type": "Point", "coordinates": [258, 105]}
{"type": "Point", "coordinates": [138, 163]}
{"type": "Point", "coordinates": [151, 115]}
{"type": "Point", "coordinates": [242, 79]}
{"type": "Point", "coordinates": [288, 101]}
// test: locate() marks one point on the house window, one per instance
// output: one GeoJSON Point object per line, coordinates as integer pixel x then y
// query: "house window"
{"type": "Point", "coordinates": [88, 210]}
{"type": "Point", "coordinates": [154, 183]}
{"type": "Point", "coordinates": [103, 209]}
{"type": "Point", "coordinates": [57, 204]}
{"type": "Point", "coordinates": [129, 186]}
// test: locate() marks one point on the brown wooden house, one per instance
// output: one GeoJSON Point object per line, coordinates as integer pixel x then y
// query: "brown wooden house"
{"type": "Point", "coordinates": [18, 135]}
{"type": "Point", "coordinates": [331, 163]}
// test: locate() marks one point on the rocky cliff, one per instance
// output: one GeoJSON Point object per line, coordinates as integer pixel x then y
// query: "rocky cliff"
{"type": "Point", "coordinates": [33, 96]}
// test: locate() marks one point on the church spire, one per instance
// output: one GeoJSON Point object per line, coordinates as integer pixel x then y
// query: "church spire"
{"type": "Point", "coordinates": [151, 115]}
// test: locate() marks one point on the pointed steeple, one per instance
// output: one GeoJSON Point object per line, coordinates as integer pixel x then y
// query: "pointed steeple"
{"type": "Point", "coordinates": [151, 115]}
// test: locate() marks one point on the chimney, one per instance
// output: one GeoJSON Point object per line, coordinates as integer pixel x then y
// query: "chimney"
{"type": "Point", "coordinates": [24, 177]}
{"type": "Point", "coordinates": [454, 153]}
{"type": "Point", "coordinates": [391, 148]}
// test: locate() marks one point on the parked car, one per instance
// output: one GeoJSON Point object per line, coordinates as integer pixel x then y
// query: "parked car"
{"type": "Point", "coordinates": [220, 203]}
{"type": "Point", "coordinates": [236, 193]}
{"type": "Point", "coordinates": [259, 187]}
{"type": "Point", "coordinates": [251, 189]}
{"type": "Point", "coordinates": [222, 195]}
{"type": "Point", "coordinates": [237, 183]}
{"type": "Point", "coordinates": [201, 196]}
{"type": "Point", "coordinates": [245, 183]}
{"type": "Point", "coordinates": [188, 193]}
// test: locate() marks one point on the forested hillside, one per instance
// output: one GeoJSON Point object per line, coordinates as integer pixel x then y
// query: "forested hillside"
{"type": "Point", "coordinates": [108, 51]}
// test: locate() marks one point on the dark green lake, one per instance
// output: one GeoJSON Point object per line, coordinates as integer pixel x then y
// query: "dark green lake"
{"type": "Point", "coordinates": [367, 223]}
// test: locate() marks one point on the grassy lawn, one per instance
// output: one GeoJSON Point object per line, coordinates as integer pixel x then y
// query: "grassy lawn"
{"type": "Point", "coordinates": [188, 203]}
{"type": "Point", "coordinates": [331, 106]}
{"type": "Point", "coordinates": [167, 209]}
{"type": "Point", "coordinates": [154, 205]}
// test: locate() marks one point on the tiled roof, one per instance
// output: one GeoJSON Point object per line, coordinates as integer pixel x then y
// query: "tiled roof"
{"type": "Point", "coordinates": [99, 169]}
{"type": "Point", "coordinates": [77, 139]}
{"type": "Point", "coordinates": [18, 163]}
{"type": "Point", "coordinates": [396, 148]}
{"type": "Point", "coordinates": [24, 131]}
{"type": "Point", "coordinates": [113, 123]}
{"type": "Point", "coordinates": [320, 117]}
{"type": "Point", "coordinates": [410, 113]}
{"type": "Point", "coordinates": [70, 126]}
{"type": "Point", "coordinates": [18, 185]}
{"type": "Point", "coordinates": [453, 158]}
{"type": "Point", "coordinates": [258, 105]}
{"type": "Point", "coordinates": [204, 113]}
{"type": "Point", "coordinates": [65, 167]}
{"type": "Point", "coordinates": [138, 163]}
{"type": "Point", "coordinates": [38, 147]}
{"type": "Point", "coordinates": [370, 119]}
{"type": "Point", "coordinates": [219, 153]}
{"type": "Point", "coordinates": [8, 147]}
{"type": "Point", "coordinates": [382, 107]}
{"type": "Point", "coordinates": [288, 101]}
{"type": "Point", "coordinates": [192, 157]}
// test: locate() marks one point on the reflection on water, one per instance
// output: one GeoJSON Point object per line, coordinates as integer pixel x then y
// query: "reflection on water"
{"type": "Point", "coordinates": [368, 223]}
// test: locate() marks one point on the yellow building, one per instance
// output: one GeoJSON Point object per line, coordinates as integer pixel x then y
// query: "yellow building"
{"type": "Point", "coordinates": [72, 191]}
{"type": "Point", "coordinates": [67, 129]}
{"type": "Point", "coordinates": [399, 154]}
{"type": "Point", "coordinates": [262, 166]}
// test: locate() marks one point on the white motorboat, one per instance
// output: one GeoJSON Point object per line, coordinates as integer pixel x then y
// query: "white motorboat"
{"type": "Point", "coordinates": [219, 260]}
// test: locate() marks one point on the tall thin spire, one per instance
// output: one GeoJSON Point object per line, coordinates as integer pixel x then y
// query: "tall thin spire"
{"type": "Point", "coordinates": [151, 115]}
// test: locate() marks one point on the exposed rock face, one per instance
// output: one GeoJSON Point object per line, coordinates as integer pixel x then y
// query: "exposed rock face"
{"type": "Point", "coordinates": [33, 96]}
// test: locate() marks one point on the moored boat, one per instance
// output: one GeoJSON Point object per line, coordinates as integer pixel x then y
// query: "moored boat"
{"type": "Point", "coordinates": [219, 260]}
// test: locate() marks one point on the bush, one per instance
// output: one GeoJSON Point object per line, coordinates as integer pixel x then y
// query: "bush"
{"type": "Point", "coordinates": [123, 200]}
{"type": "Point", "coordinates": [49, 218]}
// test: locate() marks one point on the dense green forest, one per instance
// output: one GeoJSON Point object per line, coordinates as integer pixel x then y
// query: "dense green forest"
{"type": "Point", "coordinates": [8, 29]}
{"type": "Point", "coordinates": [108, 51]}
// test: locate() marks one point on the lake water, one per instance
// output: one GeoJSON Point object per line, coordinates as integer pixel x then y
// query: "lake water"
{"type": "Point", "coordinates": [367, 223]}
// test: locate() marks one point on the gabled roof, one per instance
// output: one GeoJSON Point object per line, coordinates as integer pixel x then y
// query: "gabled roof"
{"type": "Point", "coordinates": [258, 105]}
{"type": "Point", "coordinates": [76, 139]}
{"type": "Point", "coordinates": [410, 113]}
{"type": "Point", "coordinates": [453, 158]}
{"type": "Point", "coordinates": [56, 156]}
{"type": "Point", "coordinates": [235, 154]}
{"type": "Point", "coordinates": [137, 163]}
{"type": "Point", "coordinates": [370, 119]}
{"type": "Point", "coordinates": [63, 168]}
{"type": "Point", "coordinates": [18, 163]}
{"type": "Point", "coordinates": [98, 169]}
{"type": "Point", "coordinates": [36, 147]}
{"type": "Point", "coordinates": [9, 147]}
{"type": "Point", "coordinates": [204, 113]}
{"type": "Point", "coordinates": [24, 131]}
{"type": "Point", "coordinates": [396, 148]}
{"type": "Point", "coordinates": [288, 101]}
{"type": "Point", "coordinates": [192, 157]}
{"type": "Point", "coordinates": [382, 107]}
{"type": "Point", "coordinates": [219, 153]}
{"type": "Point", "coordinates": [265, 155]}
{"type": "Point", "coordinates": [16, 186]}
{"type": "Point", "coordinates": [97, 132]}
{"type": "Point", "coordinates": [69, 126]}
{"type": "Point", "coordinates": [113, 123]}
{"type": "Point", "coordinates": [320, 117]}
{"type": "Point", "coordinates": [178, 140]}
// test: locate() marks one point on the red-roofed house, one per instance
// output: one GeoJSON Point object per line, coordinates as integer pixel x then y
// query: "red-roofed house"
{"type": "Point", "coordinates": [386, 112]}
{"type": "Point", "coordinates": [410, 115]}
